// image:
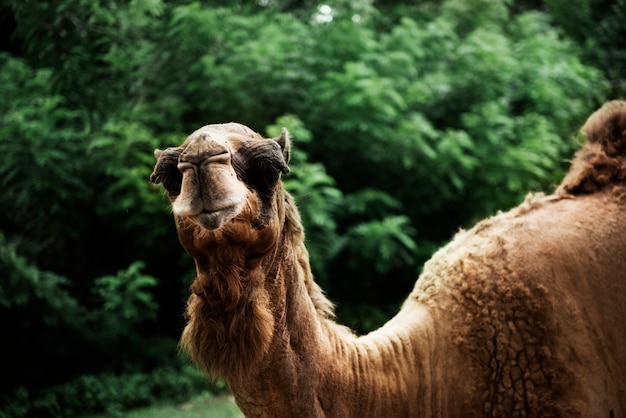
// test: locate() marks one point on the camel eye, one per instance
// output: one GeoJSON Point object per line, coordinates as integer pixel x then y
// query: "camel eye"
{"type": "Point", "coordinates": [259, 165]}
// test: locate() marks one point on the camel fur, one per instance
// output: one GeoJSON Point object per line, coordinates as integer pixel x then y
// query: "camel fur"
{"type": "Point", "coordinates": [524, 315]}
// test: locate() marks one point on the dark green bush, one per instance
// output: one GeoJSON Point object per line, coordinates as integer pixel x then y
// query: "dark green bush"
{"type": "Point", "coordinates": [108, 393]}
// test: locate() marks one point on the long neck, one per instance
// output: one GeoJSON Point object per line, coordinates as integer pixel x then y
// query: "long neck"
{"type": "Point", "coordinates": [317, 368]}
{"type": "Point", "coordinates": [266, 327]}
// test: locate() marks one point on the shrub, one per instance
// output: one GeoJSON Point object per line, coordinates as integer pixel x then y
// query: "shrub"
{"type": "Point", "coordinates": [108, 393]}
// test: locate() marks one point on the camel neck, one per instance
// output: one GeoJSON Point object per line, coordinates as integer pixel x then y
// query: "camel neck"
{"type": "Point", "coordinates": [317, 368]}
{"type": "Point", "coordinates": [264, 325]}
{"type": "Point", "coordinates": [285, 381]}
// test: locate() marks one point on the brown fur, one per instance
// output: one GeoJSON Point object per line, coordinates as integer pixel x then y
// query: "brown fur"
{"type": "Point", "coordinates": [601, 161]}
{"type": "Point", "coordinates": [523, 315]}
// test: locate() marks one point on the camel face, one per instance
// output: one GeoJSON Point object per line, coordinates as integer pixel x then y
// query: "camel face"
{"type": "Point", "coordinates": [210, 192]}
{"type": "Point", "coordinates": [212, 175]}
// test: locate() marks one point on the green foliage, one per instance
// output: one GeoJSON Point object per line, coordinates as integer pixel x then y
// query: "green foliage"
{"type": "Point", "coordinates": [388, 241]}
{"type": "Point", "coordinates": [220, 53]}
{"type": "Point", "coordinates": [598, 27]}
{"type": "Point", "coordinates": [122, 154]}
{"type": "Point", "coordinates": [126, 301]}
{"type": "Point", "coordinates": [40, 162]}
{"type": "Point", "coordinates": [44, 292]}
{"type": "Point", "coordinates": [61, 179]}
{"type": "Point", "coordinates": [430, 113]}
{"type": "Point", "coordinates": [97, 49]}
{"type": "Point", "coordinates": [108, 393]}
{"type": "Point", "coordinates": [370, 203]}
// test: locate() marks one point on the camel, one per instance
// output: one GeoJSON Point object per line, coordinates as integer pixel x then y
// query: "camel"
{"type": "Point", "coordinates": [523, 315]}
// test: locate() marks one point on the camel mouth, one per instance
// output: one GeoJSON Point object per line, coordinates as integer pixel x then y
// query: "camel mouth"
{"type": "Point", "coordinates": [215, 219]}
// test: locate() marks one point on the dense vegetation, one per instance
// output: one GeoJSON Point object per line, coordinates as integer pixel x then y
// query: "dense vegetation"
{"type": "Point", "coordinates": [410, 120]}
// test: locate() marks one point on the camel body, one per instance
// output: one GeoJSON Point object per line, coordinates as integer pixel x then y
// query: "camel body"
{"type": "Point", "coordinates": [522, 315]}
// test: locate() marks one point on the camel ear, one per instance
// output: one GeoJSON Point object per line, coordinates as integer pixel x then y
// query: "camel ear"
{"type": "Point", "coordinates": [166, 170]}
{"type": "Point", "coordinates": [285, 144]}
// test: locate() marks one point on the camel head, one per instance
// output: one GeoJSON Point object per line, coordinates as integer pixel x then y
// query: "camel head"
{"type": "Point", "coordinates": [218, 172]}
{"type": "Point", "coordinates": [224, 186]}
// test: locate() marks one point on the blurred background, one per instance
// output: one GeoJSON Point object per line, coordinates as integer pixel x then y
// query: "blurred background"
{"type": "Point", "coordinates": [410, 120]}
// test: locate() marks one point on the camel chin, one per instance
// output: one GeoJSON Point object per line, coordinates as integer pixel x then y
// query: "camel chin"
{"type": "Point", "coordinates": [209, 215]}
{"type": "Point", "coordinates": [215, 219]}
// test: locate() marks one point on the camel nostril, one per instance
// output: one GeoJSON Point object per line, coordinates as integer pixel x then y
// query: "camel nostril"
{"type": "Point", "coordinates": [186, 165]}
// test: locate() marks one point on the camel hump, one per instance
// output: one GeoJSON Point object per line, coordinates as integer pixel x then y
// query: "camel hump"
{"type": "Point", "coordinates": [607, 127]}
{"type": "Point", "coordinates": [602, 160]}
